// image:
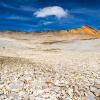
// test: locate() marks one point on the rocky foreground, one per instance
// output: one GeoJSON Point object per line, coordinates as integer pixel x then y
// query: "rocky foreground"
{"type": "Point", "coordinates": [48, 67]}
{"type": "Point", "coordinates": [76, 79]}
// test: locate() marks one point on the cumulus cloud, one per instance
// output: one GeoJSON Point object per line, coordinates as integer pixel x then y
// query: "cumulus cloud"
{"type": "Point", "coordinates": [57, 11]}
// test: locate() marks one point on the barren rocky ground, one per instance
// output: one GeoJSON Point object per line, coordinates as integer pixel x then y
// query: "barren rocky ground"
{"type": "Point", "coordinates": [40, 67]}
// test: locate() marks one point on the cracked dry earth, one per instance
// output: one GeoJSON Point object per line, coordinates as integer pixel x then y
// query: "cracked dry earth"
{"type": "Point", "coordinates": [24, 79]}
{"type": "Point", "coordinates": [47, 73]}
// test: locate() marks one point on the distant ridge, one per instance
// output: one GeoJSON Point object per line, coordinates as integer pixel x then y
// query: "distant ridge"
{"type": "Point", "coordinates": [84, 31]}
{"type": "Point", "coordinates": [85, 26]}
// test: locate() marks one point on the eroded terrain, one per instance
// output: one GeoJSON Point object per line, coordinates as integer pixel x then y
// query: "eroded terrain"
{"type": "Point", "coordinates": [47, 67]}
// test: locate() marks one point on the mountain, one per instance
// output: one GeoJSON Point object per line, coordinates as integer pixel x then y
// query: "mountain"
{"type": "Point", "coordinates": [84, 32]}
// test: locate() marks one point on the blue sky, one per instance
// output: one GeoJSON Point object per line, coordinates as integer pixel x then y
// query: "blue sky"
{"type": "Point", "coordinates": [44, 15]}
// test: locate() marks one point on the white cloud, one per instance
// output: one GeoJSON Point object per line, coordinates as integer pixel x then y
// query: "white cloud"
{"type": "Point", "coordinates": [57, 11]}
